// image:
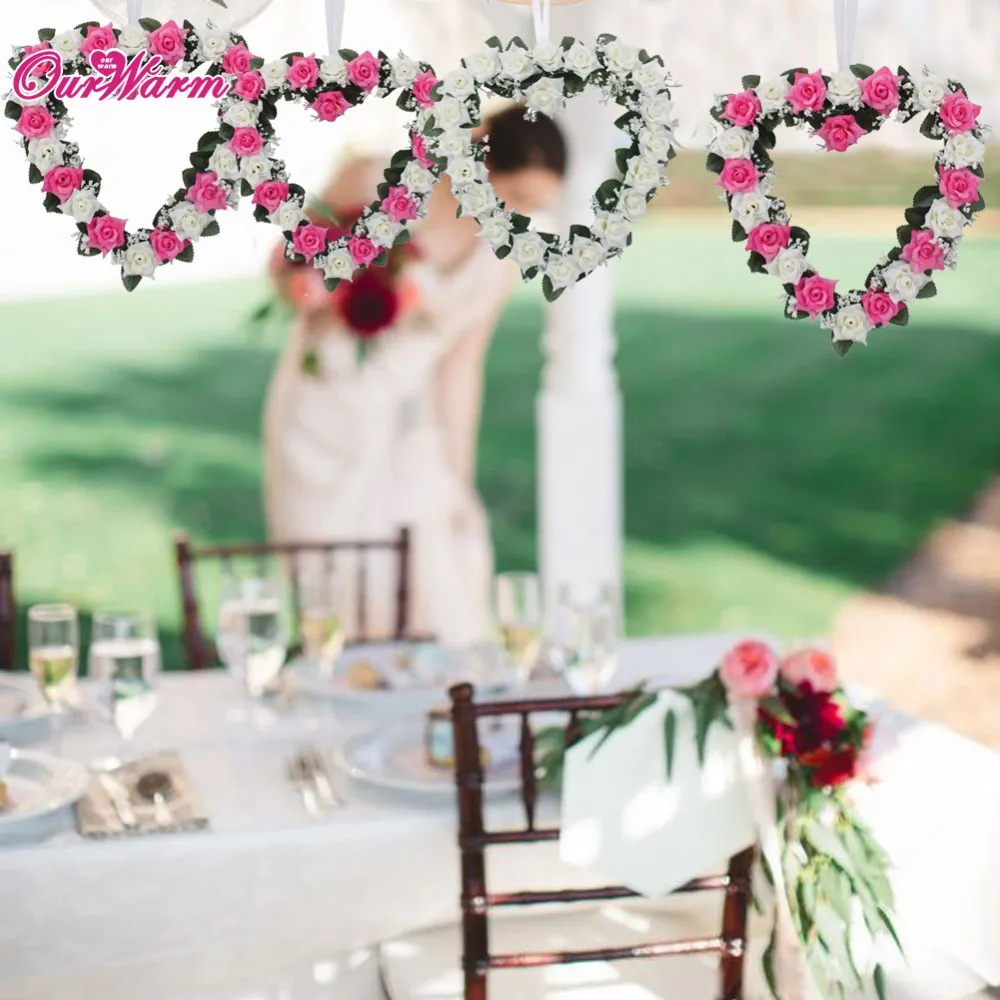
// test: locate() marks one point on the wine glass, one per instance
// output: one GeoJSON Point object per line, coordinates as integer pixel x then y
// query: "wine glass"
{"type": "Point", "coordinates": [517, 610]}
{"type": "Point", "coordinates": [586, 633]}
{"type": "Point", "coordinates": [251, 636]}
{"type": "Point", "coordinates": [124, 664]}
{"type": "Point", "coordinates": [320, 625]}
{"type": "Point", "coordinates": [53, 652]}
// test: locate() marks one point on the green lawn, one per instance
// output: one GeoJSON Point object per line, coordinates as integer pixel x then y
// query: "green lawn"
{"type": "Point", "coordinates": [767, 480]}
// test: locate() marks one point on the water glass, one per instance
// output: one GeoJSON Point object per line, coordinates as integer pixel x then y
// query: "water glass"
{"type": "Point", "coordinates": [251, 636]}
{"type": "Point", "coordinates": [124, 665]}
{"type": "Point", "coordinates": [53, 652]}
{"type": "Point", "coordinates": [517, 611]}
{"type": "Point", "coordinates": [587, 634]}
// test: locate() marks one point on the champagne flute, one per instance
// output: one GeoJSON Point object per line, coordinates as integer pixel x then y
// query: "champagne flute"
{"type": "Point", "coordinates": [53, 656]}
{"type": "Point", "coordinates": [125, 664]}
{"type": "Point", "coordinates": [320, 625]}
{"type": "Point", "coordinates": [587, 636]}
{"type": "Point", "coordinates": [251, 635]}
{"type": "Point", "coordinates": [517, 608]}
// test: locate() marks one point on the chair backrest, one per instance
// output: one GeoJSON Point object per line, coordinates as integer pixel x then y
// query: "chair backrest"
{"type": "Point", "coordinates": [201, 652]}
{"type": "Point", "coordinates": [474, 839]}
{"type": "Point", "coordinates": [8, 612]}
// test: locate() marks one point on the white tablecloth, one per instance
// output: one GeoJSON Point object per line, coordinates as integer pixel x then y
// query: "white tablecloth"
{"type": "Point", "coordinates": [268, 888]}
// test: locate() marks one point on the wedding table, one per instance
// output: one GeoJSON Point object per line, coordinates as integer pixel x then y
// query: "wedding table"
{"type": "Point", "coordinates": [268, 888]}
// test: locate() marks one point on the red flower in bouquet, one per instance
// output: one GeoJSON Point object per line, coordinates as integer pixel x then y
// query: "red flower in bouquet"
{"type": "Point", "coordinates": [367, 305]}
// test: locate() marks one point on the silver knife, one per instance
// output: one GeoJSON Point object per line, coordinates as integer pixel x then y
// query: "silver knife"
{"type": "Point", "coordinates": [118, 795]}
{"type": "Point", "coordinates": [321, 779]}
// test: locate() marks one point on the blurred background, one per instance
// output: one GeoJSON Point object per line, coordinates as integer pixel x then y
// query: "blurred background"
{"type": "Point", "coordinates": [769, 485]}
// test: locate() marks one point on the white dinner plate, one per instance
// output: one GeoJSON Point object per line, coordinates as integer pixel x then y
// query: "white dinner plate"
{"type": "Point", "coordinates": [21, 706]}
{"type": "Point", "coordinates": [394, 759]}
{"type": "Point", "coordinates": [39, 783]}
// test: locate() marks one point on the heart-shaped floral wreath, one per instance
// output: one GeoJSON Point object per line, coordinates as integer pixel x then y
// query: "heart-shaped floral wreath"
{"type": "Point", "coordinates": [840, 109]}
{"type": "Point", "coordinates": [546, 76]}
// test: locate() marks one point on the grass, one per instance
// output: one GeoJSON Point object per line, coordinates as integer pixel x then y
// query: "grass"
{"type": "Point", "coordinates": [766, 480]}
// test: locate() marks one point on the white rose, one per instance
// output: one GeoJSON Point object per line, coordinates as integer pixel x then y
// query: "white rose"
{"type": "Point", "coordinates": [528, 249]}
{"type": "Point", "coordinates": [844, 88]}
{"type": "Point", "coordinates": [772, 94]}
{"type": "Point", "coordinates": [477, 200]}
{"type": "Point", "coordinates": [612, 228]}
{"type": "Point", "coordinates": [140, 260]}
{"type": "Point", "coordinates": [464, 170]}
{"type": "Point", "coordinates": [587, 253]}
{"type": "Point", "coordinates": [546, 96]}
{"type": "Point", "coordinates": [650, 77]}
{"type": "Point", "coordinates": [733, 144]}
{"type": "Point", "coordinates": [657, 110]}
{"type": "Point", "coordinates": [643, 174]}
{"type": "Point", "coordinates": [633, 204]}
{"type": "Point", "coordinates": [450, 113]}
{"type": "Point", "coordinates": [516, 64]}
{"type": "Point", "coordinates": [417, 179]}
{"type": "Point", "coordinates": [225, 163]}
{"type": "Point", "coordinates": [255, 169]}
{"type": "Point", "coordinates": [81, 205]}
{"type": "Point", "coordinates": [496, 229]}
{"type": "Point", "coordinates": [620, 57]}
{"type": "Point", "coordinates": [240, 115]}
{"type": "Point", "coordinates": [383, 230]}
{"type": "Point", "coordinates": [964, 150]}
{"type": "Point", "coordinates": [404, 71]}
{"type": "Point", "coordinates": [931, 90]}
{"type": "Point", "coordinates": [274, 73]}
{"type": "Point", "coordinates": [45, 153]}
{"type": "Point", "coordinates": [68, 44]}
{"type": "Point", "coordinates": [655, 143]}
{"type": "Point", "coordinates": [581, 59]}
{"type": "Point", "coordinates": [187, 221]}
{"type": "Point", "coordinates": [561, 271]}
{"type": "Point", "coordinates": [214, 45]}
{"type": "Point", "coordinates": [789, 266]}
{"type": "Point", "coordinates": [287, 216]}
{"type": "Point", "coordinates": [453, 143]}
{"type": "Point", "coordinates": [132, 39]}
{"type": "Point", "coordinates": [483, 65]}
{"type": "Point", "coordinates": [902, 282]}
{"type": "Point", "coordinates": [459, 83]}
{"type": "Point", "coordinates": [851, 323]}
{"type": "Point", "coordinates": [339, 264]}
{"type": "Point", "coordinates": [333, 69]}
{"type": "Point", "coordinates": [750, 209]}
{"type": "Point", "coordinates": [943, 220]}
{"type": "Point", "coordinates": [549, 56]}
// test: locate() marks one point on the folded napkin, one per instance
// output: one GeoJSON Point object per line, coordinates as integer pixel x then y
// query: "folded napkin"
{"type": "Point", "coordinates": [97, 816]}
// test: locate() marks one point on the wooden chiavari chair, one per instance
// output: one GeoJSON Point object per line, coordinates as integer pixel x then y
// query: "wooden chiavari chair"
{"type": "Point", "coordinates": [712, 965]}
{"type": "Point", "coordinates": [201, 652]}
{"type": "Point", "coordinates": [8, 613]}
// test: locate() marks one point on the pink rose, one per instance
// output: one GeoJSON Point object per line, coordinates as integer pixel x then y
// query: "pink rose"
{"type": "Point", "coordinates": [30, 50]}
{"type": "Point", "coordinates": [749, 670]}
{"type": "Point", "coordinates": [309, 240]}
{"type": "Point", "coordinates": [768, 239]}
{"type": "Point", "coordinates": [237, 59]}
{"type": "Point", "coordinates": [99, 40]}
{"type": "Point", "coordinates": [35, 122]}
{"type": "Point", "coordinates": [958, 113]}
{"type": "Point", "coordinates": [106, 233]}
{"type": "Point", "coordinates": [167, 244]}
{"type": "Point", "coordinates": [362, 250]}
{"type": "Point", "coordinates": [303, 74]}
{"type": "Point", "coordinates": [270, 194]}
{"type": "Point", "coordinates": [841, 132]}
{"type": "Point", "coordinates": [960, 187]}
{"type": "Point", "coordinates": [808, 92]}
{"type": "Point", "coordinates": [364, 71]}
{"type": "Point", "coordinates": [422, 87]}
{"type": "Point", "coordinates": [815, 295]}
{"type": "Point", "coordinates": [62, 182]}
{"type": "Point", "coordinates": [246, 141]}
{"type": "Point", "coordinates": [880, 91]}
{"type": "Point", "coordinates": [742, 109]}
{"type": "Point", "coordinates": [420, 151]}
{"type": "Point", "coordinates": [880, 307]}
{"type": "Point", "coordinates": [207, 194]}
{"type": "Point", "coordinates": [398, 205]}
{"type": "Point", "coordinates": [813, 667]}
{"type": "Point", "coordinates": [923, 252]}
{"type": "Point", "coordinates": [738, 176]}
{"type": "Point", "coordinates": [249, 86]}
{"type": "Point", "coordinates": [167, 42]}
{"type": "Point", "coordinates": [330, 105]}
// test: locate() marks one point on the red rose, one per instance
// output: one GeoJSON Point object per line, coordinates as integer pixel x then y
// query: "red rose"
{"type": "Point", "coordinates": [367, 305]}
{"type": "Point", "coordinates": [828, 768]}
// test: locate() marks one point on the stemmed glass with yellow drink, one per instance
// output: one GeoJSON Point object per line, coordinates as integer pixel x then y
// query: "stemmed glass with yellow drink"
{"type": "Point", "coordinates": [321, 625]}
{"type": "Point", "coordinates": [54, 656]}
{"type": "Point", "coordinates": [517, 612]}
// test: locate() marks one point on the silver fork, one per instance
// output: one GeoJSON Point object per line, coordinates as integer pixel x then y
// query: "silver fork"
{"type": "Point", "coordinates": [314, 769]}
{"type": "Point", "coordinates": [299, 777]}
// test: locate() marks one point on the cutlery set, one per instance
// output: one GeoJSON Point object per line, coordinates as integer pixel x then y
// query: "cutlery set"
{"type": "Point", "coordinates": [307, 771]}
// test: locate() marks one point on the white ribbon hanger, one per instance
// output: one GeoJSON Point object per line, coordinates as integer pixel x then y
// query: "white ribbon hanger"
{"type": "Point", "coordinates": [334, 24]}
{"type": "Point", "coordinates": [133, 11]}
{"type": "Point", "coordinates": [541, 14]}
{"type": "Point", "coordinates": [845, 16]}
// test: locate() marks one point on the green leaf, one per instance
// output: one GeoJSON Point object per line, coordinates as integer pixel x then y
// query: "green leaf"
{"type": "Point", "coordinates": [928, 291]}
{"type": "Point", "coordinates": [901, 318]}
{"type": "Point", "coordinates": [187, 254]}
{"type": "Point", "coordinates": [670, 740]}
{"type": "Point", "coordinates": [46, 34]}
{"type": "Point", "coordinates": [750, 81]}
{"type": "Point", "coordinates": [768, 964]}
{"type": "Point", "coordinates": [841, 347]}
{"type": "Point", "coordinates": [35, 175]}
{"type": "Point", "coordinates": [860, 70]}
{"type": "Point", "coordinates": [828, 844]}
{"type": "Point", "coordinates": [776, 707]}
{"type": "Point", "coordinates": [12, 110]}
{"type": "Point", "coordinates": [738, 233]}
{"type": "Point", "coordinates": [916, 217]}
{"type": "Point", "coordinates": [927, 125]}
{"type": "Point", "coordinates": [212, 229]}
{"type": "Point", "coordinates": [130, 281]}
{"type": "Point", "coordinates": [903, 234]}
{"type": "Point", "coordinates": [208, 142]}
{"type": "Point", "coordinates": [149, 23]}
{"type": "Point", "coordinates": [264, 310]}
{"type": "Point", "coordinates": [890, 929]}
{"type": "Point", "coordinates": [715, 163]}
{"type": "Point", "coordinates": [878, 977]}
{"type": "Point", "coordinates": [926, 196]}
{"type": "Point", "coordinates": [310, 364]}
{"type": "Point", "coordinates": [52, 204]}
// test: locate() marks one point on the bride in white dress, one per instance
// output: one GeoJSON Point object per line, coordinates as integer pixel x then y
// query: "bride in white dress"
{"type": "Point", "coordinates": [357, 448]}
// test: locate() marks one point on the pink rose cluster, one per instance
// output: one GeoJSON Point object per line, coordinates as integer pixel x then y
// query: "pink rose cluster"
{"type": "Point", "coordinates": [62, 182]}
{"type": "Point", "coordinates": [169, 42]}
{"type": "Point", "coordinates": [208, 193]}
{"type": "Point", "coordinates": [752, 670]}
{"type": "Point", "coordinates": [815, 295]}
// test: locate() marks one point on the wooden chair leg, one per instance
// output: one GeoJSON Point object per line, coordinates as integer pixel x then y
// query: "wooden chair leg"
{"type": "Point", "coordinates": [8, 613]}
{"type": "Point", "coordinates": [734, 925]}
{"type": "Point", "coordinates": [194, 645]}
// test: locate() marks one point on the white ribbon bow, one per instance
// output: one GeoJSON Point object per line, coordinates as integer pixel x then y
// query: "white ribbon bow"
{"type": "Point", "coordinates": [334, 24]}
{"type": "Point", "coordinates": [541, 13]}
{"type": "Point", "coordinates": [845, 16]}
{"type": "Point", "coordinates": [133, 11]}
